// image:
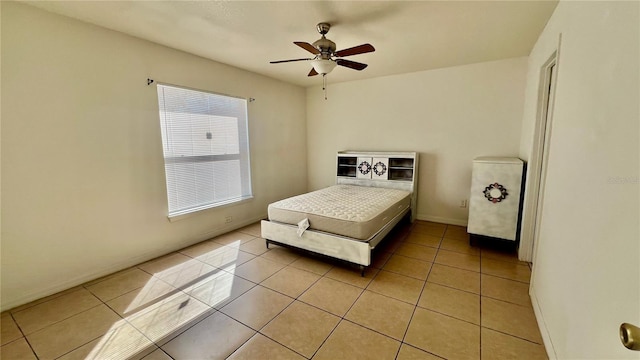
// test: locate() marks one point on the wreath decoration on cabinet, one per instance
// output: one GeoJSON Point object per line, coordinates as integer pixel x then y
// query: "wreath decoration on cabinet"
{"type": "Point", "coordinates": [495, 193]}
{"type": "Point", "coordinates": [364, 167]}
{"type": "Point", "coordinates": [382, 166]}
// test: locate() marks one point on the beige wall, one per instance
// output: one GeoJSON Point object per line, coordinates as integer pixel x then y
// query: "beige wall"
{"type": "Point", "coordinates": [449, 116]}
{"type": "Point", "coordinates": [82, 169]}
{"type": "Point", "coordinates": [586, 274]}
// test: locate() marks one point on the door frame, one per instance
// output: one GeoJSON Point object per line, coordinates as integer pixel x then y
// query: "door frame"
{"type": "Point", "coordinates": [534, 195]}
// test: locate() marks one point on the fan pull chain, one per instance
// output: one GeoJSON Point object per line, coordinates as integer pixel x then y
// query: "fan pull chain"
{"type": "Point", "coordinates": [324, 85]}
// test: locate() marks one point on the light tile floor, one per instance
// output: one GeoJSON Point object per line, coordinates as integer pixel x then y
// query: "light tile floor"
{"type": "Point", "coordinates": [428, 295]}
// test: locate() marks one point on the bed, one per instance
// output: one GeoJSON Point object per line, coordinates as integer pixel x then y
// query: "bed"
{"type": "Point", "coordinates": [374, 191]}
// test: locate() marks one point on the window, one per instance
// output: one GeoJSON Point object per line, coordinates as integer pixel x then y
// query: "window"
{"type": "Point", "coordinates": [206, 149]}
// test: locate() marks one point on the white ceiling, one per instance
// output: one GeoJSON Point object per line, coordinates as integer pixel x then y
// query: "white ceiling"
{"type": "Point", "coordinates": [408, 36]}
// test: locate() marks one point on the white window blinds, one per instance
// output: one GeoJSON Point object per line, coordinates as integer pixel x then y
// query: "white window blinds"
{"type": "Point", "coordinates": [206, 149]}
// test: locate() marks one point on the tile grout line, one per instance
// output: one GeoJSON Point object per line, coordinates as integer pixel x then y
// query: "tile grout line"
{"type": "Point", "coordinates": [513, 336]}
{"type": "Point", "coordinates": [102, 279]}
{"type": "Point", "coordinates": [274, 340]}
{"type": "Point", "coordinates": [164, 352]}
{"type": "Point", "coordinates": [61, 320]}
{"type": "Point", "coordinates": [338, 324]}
{"type": "Point", "coordinates": [391, 297]}
{"type": "Point", "coordinates": [24, 336]}
{"type": "Point", "coordinates": [505, 278]}
{"type": "Point", "coordinates": [496, 299]}
{"type": "Point", "coordinates": [53, 297]}
{"type": "Point", "coordinates": [415, 308]}
{"type": "Point", "coordinates": [101, 302]}
{"type": "Point", "coordinates": [447, 315]}
{"type": "Point", "coordinates": [18, 326]}
{"type": "Point", "coordinates": [453, 288]}
{"type": "Point", "coordinates": [489, 297]}
{"type": "Point", "coordinates": [342, 318]}
{"type": "Point", "coordinates": [480, 272]}
{"type": "Point", "coordinates": [518, 262]}
{"type": "Point", "coordinates": [419, 349]}
{"type": "Point", "coordinates": [276, 315]}
{"type": "Point", "coordinates": [286, 307]}
{"type": "Point", "coordinates": [409, 276]}
{"type": "Point", "coordinates": [83, 344]}
{"type": "Point", "coordinates": [177, 290]}
{"type": "Point", "coordinates": [256, 331]}
{"type": "Point", "coordinates": [76, 348]}
{"type": "Point", "coordinates": [67, 318]}
{"type": "Point", "coordinates": [123, 319]}
{"type": "Point", "coordinates": [31, 347]}
{"type": "Point", "coordinates": [181, 330]}
{"type": "Point", "coordinates": [508, 302]}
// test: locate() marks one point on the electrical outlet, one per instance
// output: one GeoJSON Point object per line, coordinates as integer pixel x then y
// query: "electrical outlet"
{"type": "Point", "coordinates": [228, 219]}
{"type": "Point", "coordinates": [463, 203]}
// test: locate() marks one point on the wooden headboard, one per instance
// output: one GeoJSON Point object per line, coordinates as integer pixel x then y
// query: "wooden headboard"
{"type": "Point", "coordinates": [394, 170]}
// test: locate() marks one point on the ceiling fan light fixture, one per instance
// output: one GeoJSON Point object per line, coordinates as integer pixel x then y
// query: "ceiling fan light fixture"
{"type": "Point", "coordinates": [323, 66]}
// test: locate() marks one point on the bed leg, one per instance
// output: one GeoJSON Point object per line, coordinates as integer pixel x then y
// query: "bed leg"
{"type": "Point", "coordinates": [266, 243]}
{"type": "Point", "coordinates": [362, 270]}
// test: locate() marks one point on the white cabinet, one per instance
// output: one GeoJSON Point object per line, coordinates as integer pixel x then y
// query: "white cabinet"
{"type": "Point", "coordinates": [494, 203]}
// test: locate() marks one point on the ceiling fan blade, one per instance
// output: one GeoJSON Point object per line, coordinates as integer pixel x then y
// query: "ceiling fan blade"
{"type": "Point", "coordinates": [351, 64]}
{"type": "Point", "coordinates": [313, 72]}
{"type": "Point", "coordinates": [307, 46]}
{"type": "Point", "coordinates": [360, 49]}
{"type": "Point", "coordinates": [283, 61]}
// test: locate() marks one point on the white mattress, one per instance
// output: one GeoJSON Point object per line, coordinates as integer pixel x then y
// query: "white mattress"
{"type": "Point", "coordinates": [357, 212]}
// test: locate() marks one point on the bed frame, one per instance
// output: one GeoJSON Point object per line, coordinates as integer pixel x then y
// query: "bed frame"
{"type": "Point", "coordinates": [395, 170]}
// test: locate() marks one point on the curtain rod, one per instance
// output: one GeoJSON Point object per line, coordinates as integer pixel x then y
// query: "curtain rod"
{"type": "Point", "coordinates": [151, 81]}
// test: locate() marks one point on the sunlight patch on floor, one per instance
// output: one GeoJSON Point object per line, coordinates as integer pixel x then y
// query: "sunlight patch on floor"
{"type": "Point", "coordinates": [171, 300]}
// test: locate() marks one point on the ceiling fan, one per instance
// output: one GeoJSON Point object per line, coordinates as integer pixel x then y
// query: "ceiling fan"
{"type": "Point", "coordinates": [326, 57]}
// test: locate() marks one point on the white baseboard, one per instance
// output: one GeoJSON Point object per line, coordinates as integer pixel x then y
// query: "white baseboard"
{"type": "Point", "coordinates": [86, 277]}
{"type": "Point", "coordinates": [79, 280]}
{"type": "Point", "coordinates": [546, 337]}
{"type": "Point", "coordinates": [442, 220]}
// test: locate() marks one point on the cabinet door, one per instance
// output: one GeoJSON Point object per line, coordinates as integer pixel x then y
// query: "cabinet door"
{"type": "Point", "coordinates": [364, 168]}
{"type": "Point", "coordinates": [380, 168]}
{"type": "Point", "coordinates": [495, 200]}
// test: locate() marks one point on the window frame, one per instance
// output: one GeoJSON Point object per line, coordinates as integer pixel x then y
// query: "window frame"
{"type": "Point", "coordinates": [243, 130]}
